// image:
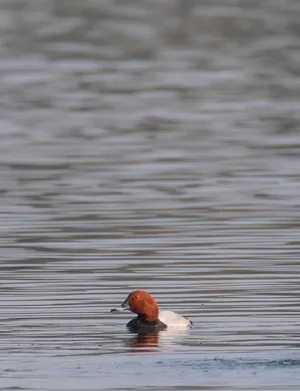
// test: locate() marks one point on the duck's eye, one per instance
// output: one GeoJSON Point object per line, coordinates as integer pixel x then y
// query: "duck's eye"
{"type": "Point", "coordinates": [136, 297]}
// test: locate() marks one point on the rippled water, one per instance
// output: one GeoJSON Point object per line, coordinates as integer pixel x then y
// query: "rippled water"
{"type": "Point", "coordinates": [152, 145]}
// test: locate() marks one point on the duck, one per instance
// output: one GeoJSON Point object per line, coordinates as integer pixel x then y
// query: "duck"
{"type": "Point", "coordinates": [148, 315]}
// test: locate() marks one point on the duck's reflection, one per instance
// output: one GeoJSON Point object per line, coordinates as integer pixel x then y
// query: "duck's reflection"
{"type": "Point", "coordinates": [149, 340]}
{"type": "Point", "coordinates": [145, 341]}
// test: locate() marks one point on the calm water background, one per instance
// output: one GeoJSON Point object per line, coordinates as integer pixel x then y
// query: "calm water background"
{"type": "Point", "coordinates": [154, 145]}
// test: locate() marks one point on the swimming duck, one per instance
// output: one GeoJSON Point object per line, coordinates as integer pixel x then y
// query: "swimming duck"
{"type": "Point", "coordinates": [149, 316]}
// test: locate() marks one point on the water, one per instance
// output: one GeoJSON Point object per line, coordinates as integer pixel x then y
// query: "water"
{"type": "Point", "coordinates": [151, 145]}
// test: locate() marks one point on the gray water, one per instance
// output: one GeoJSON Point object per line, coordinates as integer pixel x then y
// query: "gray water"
{"type": "Point", "coordinates": [149, 145]}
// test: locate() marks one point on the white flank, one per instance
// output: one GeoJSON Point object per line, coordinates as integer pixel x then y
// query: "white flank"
{"type": "Point", "coordinates": [171, 319]}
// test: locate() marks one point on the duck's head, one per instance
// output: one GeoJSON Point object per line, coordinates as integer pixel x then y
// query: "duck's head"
{"type": "Point", "coordinates": [142, 304]}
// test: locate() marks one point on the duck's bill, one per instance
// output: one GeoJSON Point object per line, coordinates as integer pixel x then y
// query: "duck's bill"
{"type": "Point", "coordinates": [118, 309]}
{"type": "Point", "coordinates": [123, 307]}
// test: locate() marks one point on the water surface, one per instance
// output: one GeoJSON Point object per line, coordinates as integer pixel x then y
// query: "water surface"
{"type": "Point", "coordinates": [149, 145]}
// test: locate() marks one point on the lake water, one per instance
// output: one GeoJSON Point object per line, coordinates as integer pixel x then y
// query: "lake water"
{"type": "Point", "coordinates": [150, 145]}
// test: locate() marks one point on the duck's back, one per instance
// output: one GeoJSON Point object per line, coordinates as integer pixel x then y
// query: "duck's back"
{"type": "Point", "coordinates": [171, 319]}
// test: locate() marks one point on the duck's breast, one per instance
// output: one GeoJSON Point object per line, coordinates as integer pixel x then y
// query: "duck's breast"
{"type": "Point", "coordinates": [171, 319]}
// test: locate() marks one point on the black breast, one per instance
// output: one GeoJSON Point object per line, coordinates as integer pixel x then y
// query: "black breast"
{"type": "Point", "coordinates": [137, 324]}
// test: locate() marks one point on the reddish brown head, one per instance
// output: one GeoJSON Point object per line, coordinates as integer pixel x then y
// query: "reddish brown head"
{"type": "Point", "coordinates": [142, 304]}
